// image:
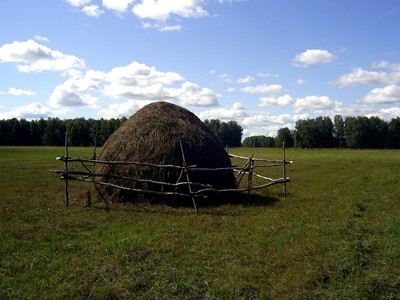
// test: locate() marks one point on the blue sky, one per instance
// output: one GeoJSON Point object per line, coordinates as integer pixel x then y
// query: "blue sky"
{"type": "Point", "coordinates": [262, 63]}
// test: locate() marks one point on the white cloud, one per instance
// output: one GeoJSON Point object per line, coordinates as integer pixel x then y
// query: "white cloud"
{"type": "Point", "coordinates": [387, 113]}
{"type": "Point", "coordinates": [268, 124]}
{"type": "Point", "coordinates": [76, 92]}
{"type": "Point", "coordinates": [360, 76]}
{"type": "Point", "coordinates": [386, 95]}
{"type": "Point", "coordinates": [170, 28]}
{"type": "Point", "coordinates": [41, 38]}
{"type": "Point", "coordinates": [313, 56]}
{"type": "Point", "coordinates": [279, 101]}
{"type": "Point", "coordinates": [263, 89]}
{"type": "Point", "coordinates": [192, 94]}
{"type": "Point", "coordinates": [225, 77]}
{"type": "Point", "coordinates": [119, 6]}
{"type": "Point", "coordinates": [119, 110]}
{"type": "Point", "coordinates": [317, 104]}
{"type": "Point", "coordinates": [92, 11]}
{"type": "Point", "coordinates": [30, 111]}
{"type": "Point", "coordinates": [78, 3]}
{"type": "Point", "coordinates": [135, 81]}
{"type": "Point", "coordinates": [265, 75]}
{"type": "Point", "coordinates": [245, 79]}
{"type": "Point", "coordinates": [33, 57]}
{"type": "Point", "coordinates": [301, 81]}
{"type": "Point", "coordinates": [161, 10]}
{"type": "Point", "coordinates": [236, 111]}
{"type": "Point", "coordinates": [357, 76]}
{"type": "Point", "coordinates": [20, 92]}
{"type": "Point", "coordinates": [231, 90]}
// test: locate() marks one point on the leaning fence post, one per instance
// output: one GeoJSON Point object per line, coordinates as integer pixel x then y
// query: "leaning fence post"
{"type": "Point", "coordinates": [250, 176]}
{"type": "Point", "coordinates": [66, 169]}
{"type": "Point", "coordinates": [187, 177]}
{"type": "Point", "coordinates": [284, 168]}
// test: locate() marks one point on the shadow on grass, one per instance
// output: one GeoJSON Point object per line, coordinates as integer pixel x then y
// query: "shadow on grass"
{"type": "Point", "coordinates": [214, 201]}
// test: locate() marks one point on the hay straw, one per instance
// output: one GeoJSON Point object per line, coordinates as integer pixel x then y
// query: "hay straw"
{"type": "Point", "coordinates": [153, 135]}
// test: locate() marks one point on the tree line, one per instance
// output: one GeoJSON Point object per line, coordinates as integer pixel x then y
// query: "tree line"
{"type": "Point", "coordinates": [51, 132]}
{"type": "Point", "coordinates": [84, 132]}
{"type": "Point", "coordinates": [321, 132]}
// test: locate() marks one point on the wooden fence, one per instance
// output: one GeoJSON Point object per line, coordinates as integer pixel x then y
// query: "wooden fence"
{"type": "Point", "coordinates": [195, 189]}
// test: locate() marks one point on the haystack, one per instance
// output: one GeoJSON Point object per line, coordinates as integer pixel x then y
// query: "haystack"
{"type": "Point", "coordinates": [154, 134]}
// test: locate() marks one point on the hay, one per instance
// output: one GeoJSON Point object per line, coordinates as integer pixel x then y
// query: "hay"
{"type": "Point", "coordinates": [153, 135]}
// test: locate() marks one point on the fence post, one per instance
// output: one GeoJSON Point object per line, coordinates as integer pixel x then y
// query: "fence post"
{"type": "Point", "coordinates": [284, 168]}
{"type": "Point", "coordinates": [66, 169]}
{"type": "Point", "coordinates": [187, 176]}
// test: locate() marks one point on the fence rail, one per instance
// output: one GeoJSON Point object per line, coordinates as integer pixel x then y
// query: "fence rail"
{"type": "Point", "coordinates": [196, 189]}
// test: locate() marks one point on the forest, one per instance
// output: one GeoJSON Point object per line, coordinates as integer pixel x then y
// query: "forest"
{"type": "Point", "coordinates": [322, 132]}
{"type": "Point", "coordinates": [86, 132]}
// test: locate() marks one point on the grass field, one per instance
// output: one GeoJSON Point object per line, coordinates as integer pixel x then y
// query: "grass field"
{"type": "Point", "coordinates": [336, 235]}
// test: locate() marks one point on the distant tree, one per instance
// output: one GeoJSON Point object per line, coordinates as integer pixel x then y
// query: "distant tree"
{"type": "Point", "coordinates": [259, 141]}
{"type": "Point", "coordinates": [338, 131]}
{"type": "Point", "coordinates": [230, 133]}
{"type": "Point", "coordinates": [54, 133]}
{"type": "Point", "coordinates": [364, 132]}
{"type": "Point", "coordinates": [393, 140]}
{"type": "Point", "coordinates": [315, 133]}
{"type": "Point", "coordinates": [214, 125]}
{"type": "Point", "coordinates": [284, 136]}
{"type": "Point", "coordinates": [78, 132]}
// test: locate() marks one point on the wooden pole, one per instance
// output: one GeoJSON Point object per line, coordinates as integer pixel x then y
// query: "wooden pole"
{"type": "Point", "coordinates": [66, 169]}
{"type": "Point", "coordinates": [284, 168]}
{"type": "Point", "coordinates": [187, 177]}
{"type": "Point", "coordinates": [250, 177]}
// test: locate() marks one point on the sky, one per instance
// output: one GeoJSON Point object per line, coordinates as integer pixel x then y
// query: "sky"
{"type": "Point", "coordinates": [264, 64]}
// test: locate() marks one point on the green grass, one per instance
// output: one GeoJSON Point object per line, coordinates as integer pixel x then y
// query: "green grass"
{"type": "Point", "coordinates": [336, 235]}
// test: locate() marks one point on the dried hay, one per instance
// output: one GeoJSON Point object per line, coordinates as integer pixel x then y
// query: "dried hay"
{"type": "Point", "coordinates": [153, 135]}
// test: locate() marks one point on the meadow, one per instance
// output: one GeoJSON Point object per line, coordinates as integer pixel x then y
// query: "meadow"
{"type": "Point", "coordinates": [335, 236]}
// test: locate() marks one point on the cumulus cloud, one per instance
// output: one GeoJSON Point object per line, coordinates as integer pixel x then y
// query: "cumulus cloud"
{"type": "Point", "coordinates": [265, 75]}
{"type": "Point", "coordinates": [313, 56]}
{"type": "Point", "coordinates": [317, 104]}
{"type": "Point", "coordinates": [387, 113]}
{"type": "Point", "coordinates": [278, 101]}
{"type": "Point", "coordinates": [245, 79]}
{"type": "Point", "coordinates": [170, 28]}
{"type": "Point", "coordinates": [385, 95]}
{"type": "Point", "coordinates": [136, 82]}
{"type": "Point", "coordinates": [31, 111]}
{"type": "Point", "coordinates": [236, 111]}
{"type": "Point", "coordinates": [191, 94]}
{"type": "Point", "coordinates": [119, 6]}
{"type": "Point", "coordinates": [162, 10]}
{"type": "Point", "coordinates": [20, 92]}
{"type": "Point", "coordinates": [76, 92]}
{"type": "Point", "coordinates": [263, 89]}
{"type": "Point", "coordinates": [360, 76]}
{"type": "Point", "coordinates": [389, 75]}
{"type": "Point", "coordinates": [33, 57]}
{"type": "Point", "coordinates": [125, 109]}
{"type": "Point", "coordinates": [268, 124]}
{"type": "Point", "coordinates": [41, 38]}
{"type": "Point", "coordinates": [78, 3]}
{"type": "Point", "coordinates": [92, 11]}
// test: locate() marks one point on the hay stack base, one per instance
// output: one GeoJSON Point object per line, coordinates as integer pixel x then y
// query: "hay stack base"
{"type": "Point", "coordinates": [161, 133]}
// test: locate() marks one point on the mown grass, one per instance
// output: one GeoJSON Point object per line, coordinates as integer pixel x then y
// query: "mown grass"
{"type": "Point", "coordinates": [336, 235]}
